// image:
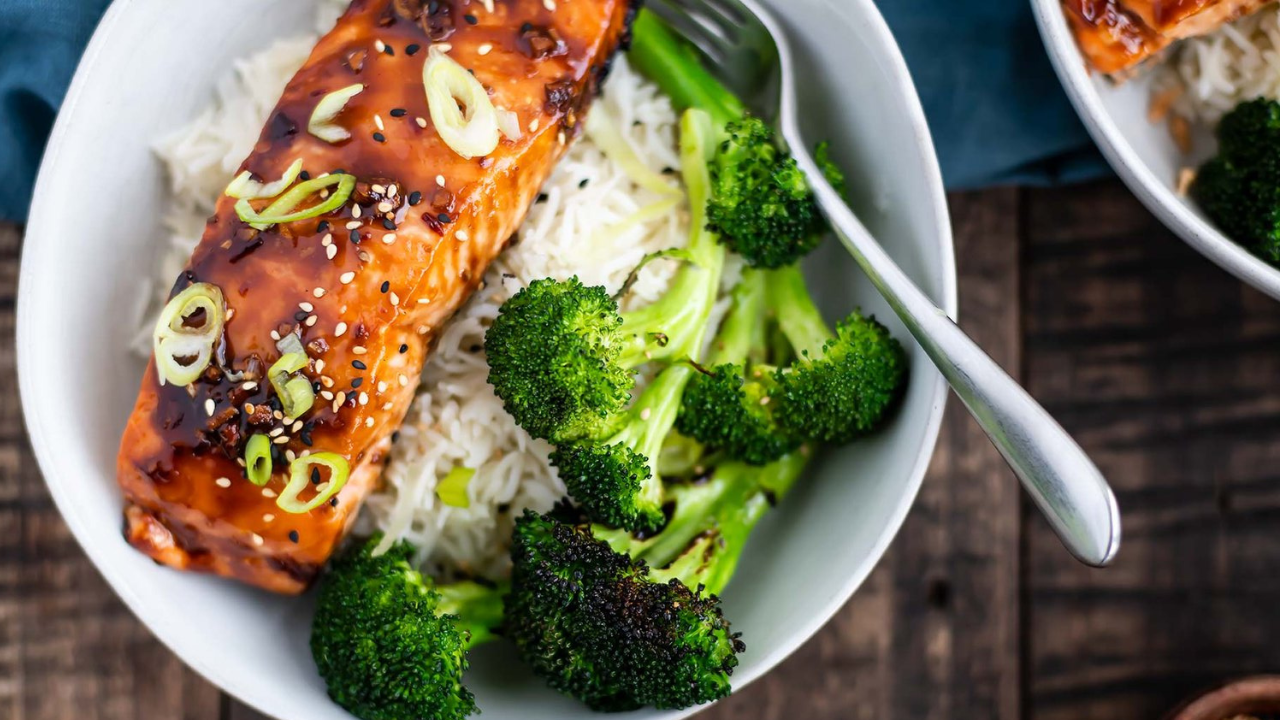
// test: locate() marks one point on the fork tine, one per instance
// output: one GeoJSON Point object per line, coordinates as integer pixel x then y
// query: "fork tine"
{"type": "Point", "coordinates": [704, 37]}
{"type": "Point", "coordinates": [726, 14]}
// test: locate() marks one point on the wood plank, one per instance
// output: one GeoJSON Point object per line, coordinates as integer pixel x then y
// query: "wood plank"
{"type": "Point", "coordinates": [934, 631]}
{"type": "Point", "coordinates": [68, 647]}
{"type": "Point", "coordinates": [1164, 367]}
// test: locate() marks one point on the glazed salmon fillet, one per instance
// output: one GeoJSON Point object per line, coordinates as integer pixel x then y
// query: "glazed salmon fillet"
{"type": "Point", "coordinates": [1117, 35]}
{"type": "Point", "coordinates": [364, 287]}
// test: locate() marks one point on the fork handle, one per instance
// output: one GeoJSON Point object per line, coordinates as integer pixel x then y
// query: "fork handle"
{"type": "Point", "coordinates": [1065, 484]}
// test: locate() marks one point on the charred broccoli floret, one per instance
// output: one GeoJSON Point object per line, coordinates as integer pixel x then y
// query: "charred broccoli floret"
{"type": "Point", "coordinates": [561, 355]}
{"type": "Point", "coordinates": [590, 614]}
{"type": "Point", "coordinates": [389, 644]}
{"type": "Point", "coordinates": [1239, 189]}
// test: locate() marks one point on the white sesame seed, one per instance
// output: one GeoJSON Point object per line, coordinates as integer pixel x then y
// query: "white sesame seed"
{"type": "Point", "coordinates": [382, 386]}
{"type": "Point", "coordinates": [340, 398]}
{"type": "Point", "coordinates": [268, 517]}
{"type": "Point", "coordinates": [257, 539]}
{"type": "Point", "coordinates": [404, 381]}
{"type": "Point", "coordinates": [326, 381]}
{"type": "Point", "coordinates": [384, 207]}
{"type": "Point", "coordinates": [444, 47]}
{"type": "Point", "coordinates": [488, 5]}
{"type": "Point", "coordinates": [359, 350]}
{"type": "Point", "coordinates": [645, 413]}
{"type": "Point", "coordinates": [231, 312]}
{"type": "Point", "coordinates": [268, 493]}
{"type": "Point", "coordinates": [297, 425]}
{"type": "Point", "coordinates": [484, 49]}
{"type": "Point", "coordinates": [549, 4]}
{"type": "Point", "coordinates": [346, 277]}
{"type": "Point", "coordinates": [288, 455]}
{"type": "Point", "coordinates": [462, 235]}
{"type": "Point", "coordinates": [395, 299]}
{"type": "Point", "coordinates": [377, 188]}
{"type": "Point", "coordinates": [355, 213]}
{"type": "Point", "coordinates": [423, 329]}
{"type": "Point", "coordinates": [248, 408]}
{"type": "Point", "coordinates": [327, 240]}
{"type": "Point", "coordinates": [223, 482]}
{"type": "Point", "coordinates": [324, 193]}
{"type": "Point", "coordinates": [364, 398]}
{"type": "Point", "coordinates": [282, 440]}
{"type": "Point", "coordinates": [209, 406]}
{"type": "Point", "coordinates": [440, 180]}
{"type": "Point", "coordinates": [340, 329]}
{"type": "Point", "coordinates": [421, 122]}
{"type": "Point", "coordinates": [331, 251]}
{"type": "Point", "coordinates": [326, 394]}
{"type": "Point", "coordinates": [368, 422]}
{"type": "Point", "coordinates": [377, 120]}
{"type": "Point", "coordinates": [320, 366]}
{"type": "Point", "coordinates": [424, 300]}
{"type": "Point", "coordinates": [306, 306]}
{"type": "Point", "coordinates": [560, 137]}
{"type": "Point", "coordinates": [391, 190]}
{"type": "Point", "coordinates": [277, 415]}
{"type": "Point", "coordinates": [388, 406]}
{"type": "Point", "coordinates": [354, 223]}
{"type": "Point", "coordinates": [277, 432]}
{"type": "Point", "coordinates": [318, 292]}
{"type": "Point", "coordinates": [251, 385]}
{"type": "Point", "coordinates": [533, 125]}
{"type": "Point", "coordinates": [389, 238]}
{"type": "Point", "coordinates": [379, 46]}
{"type": "Point", "coordinates": [275, 335]}
{"type": "Point", "coordinates": [364, 256]}
{"type": "Point", "coordinates": [311, 320]}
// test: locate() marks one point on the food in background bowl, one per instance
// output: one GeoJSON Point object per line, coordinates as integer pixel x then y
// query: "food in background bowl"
{"type": "Point", "coordinates": [1216, 73]}
{"type": "Point", "coordinates": [286, 356]}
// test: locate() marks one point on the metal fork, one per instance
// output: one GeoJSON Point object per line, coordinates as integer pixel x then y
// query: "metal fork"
{"type": "Point", "coordinates": [748, 51]}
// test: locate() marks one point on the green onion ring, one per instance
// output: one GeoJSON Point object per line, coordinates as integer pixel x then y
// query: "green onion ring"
{"type": "Point", "coordinates": [452, 488]}
{"type": "Point", "coordinates": [282, 210]}
{"type": "Point", "coordinates": [173, 340]}
{"type": "Point", "coordinates": [299, 478]}
{"type": "Point", "coordinates": [257, 459]}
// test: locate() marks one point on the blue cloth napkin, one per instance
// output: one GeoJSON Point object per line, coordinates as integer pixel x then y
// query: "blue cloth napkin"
{"type": "Point", "coordinates": [997, 112]}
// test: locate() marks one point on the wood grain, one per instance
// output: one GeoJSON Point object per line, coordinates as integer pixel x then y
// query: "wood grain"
{"type": "Point", "coordinates": [1165, 368]}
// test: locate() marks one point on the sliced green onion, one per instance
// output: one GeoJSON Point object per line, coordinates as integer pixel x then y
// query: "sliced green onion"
{"type": "Point", "coordinates": [470, 133]}
{"type": "Point", "coordinates": [298, 397]}
{"type": "Point", "coordinates": [452, 488]}
{"type": "Point", "coordinates": [281, 211]}
{"type": "Point", "coordinates": [244, 186]}
{"type": "Point", "coordinates": [605, 134]}
{"type": "Point", "coordinates": [300, 476]}
{"type": "Point", "coordinates": [295, 393]}
{"type": "Point", "coordinates": [290, 343]}
{"type": "Point", "coordinates": [257, 459]}
{"type": "Point", "coordinates": [321, 122]}
{"type": "Point", "coordinates": [182, 348]}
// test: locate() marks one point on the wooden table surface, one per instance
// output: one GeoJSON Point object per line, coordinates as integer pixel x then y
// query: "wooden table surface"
{"type": "Point", "coordinates": [1165, 368]}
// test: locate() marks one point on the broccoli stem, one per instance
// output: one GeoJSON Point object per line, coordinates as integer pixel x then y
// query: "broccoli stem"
{"type": "Point", "coordinates": [675, 67]}
{"type": "Point", "coordinates": [678, 320]}
{"type": "Point", "coordinates": [477, 607]}
{"type": "Point", "coordinates": [742, 333]}
{"type": "Point", "coordinates": [798, 318]}
{"type": "Point", "coordinates": [747, 495]}
{"type": "Point", "coordinates": [649, 421]}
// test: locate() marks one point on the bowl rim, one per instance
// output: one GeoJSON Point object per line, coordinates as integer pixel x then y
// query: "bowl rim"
{"type": "Point", "coordinates": [1156, 194]}
{"type": "Point", "coordinates": [45, 452]}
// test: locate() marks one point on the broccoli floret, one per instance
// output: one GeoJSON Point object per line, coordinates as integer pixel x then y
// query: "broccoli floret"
{"type": "Point", "coordinates": [561, 355]}
{"type": "Point", "coordinates": [1239, 189]}
{"type": "Point", "coordinates": [589, 614]}
{"type": "Point", "coordinates": [616, 480]}
{"type": "Point", "coordinates": [842, 385]}
{"type": "Point", "coordinates": [389, 644]}
{"type": "Point", "coordinates": [761, 205]}
{"type": "Point", "coordinates": [729, 406]}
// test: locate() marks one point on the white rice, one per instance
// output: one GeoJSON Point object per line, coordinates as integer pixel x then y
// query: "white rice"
{"type": "Point", "coordinates": [588, 225]}
{"type": "Point", "coordinates": [1205, 77]}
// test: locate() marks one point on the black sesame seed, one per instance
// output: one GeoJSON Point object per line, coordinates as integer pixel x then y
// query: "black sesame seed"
{"type": "Point", "coordinates": [355, 236]}
{"type": "Point", "coordinates": [415, 197]}
{"type": "Point", "coordinates": [315, 476]}
{"type": "Point", "coordinates": [304, 175]}
{"type": "Point", "coordinates": [399, 112]}
{"type": "Point", "coordinates": [300, 315]}
{"type": "Point", "coordinates": [323, 226]}
{"type": "Point", "coordinates": [388, 223]}
{"type": "Point", "coordinates": [389, 50]}
{"type": "Point", "coordinates": [404, 349]}
{"type": "Point", "coordinates": [583, 183]}
{"type": "Point", "coordinates": [293, 536]}
{"type": "Point", "coordinates": [526, 27]}
{"type": "Point", "coordinates": [433, 7]}
{"type": "Point", "coordinates": [333, 502]}
{"type": "Point", "coordinates": [413, 48]}
{"type": "Point", "coordinates": [542, 197]}
{"type": "Point", "coordinates": [395, 436]}
{"type": "Point", "coordinates": [359, 365]}
{"type": "Point", "coordinates": [386, 285]}
{"type": "Point", "coordinates": [471, 19]}
{"type": "Point", "coordinates": [357, 382]}
{"type": "Point", "coordinates": [444, 218]}
{"type": "Point", "coordinates": [379, 137]}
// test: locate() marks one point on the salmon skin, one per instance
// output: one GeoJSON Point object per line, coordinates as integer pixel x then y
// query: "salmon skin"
{"type": "Point", "coordinates": [366, 286]}
{"type": "Point", "coordinates": [1117, 35]}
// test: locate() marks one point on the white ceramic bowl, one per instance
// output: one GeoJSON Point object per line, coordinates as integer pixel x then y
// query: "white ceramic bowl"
{"type": "Point", "coordinates": [1142, 152]}
{"type": "Point", "coordinates": [95, 223]}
